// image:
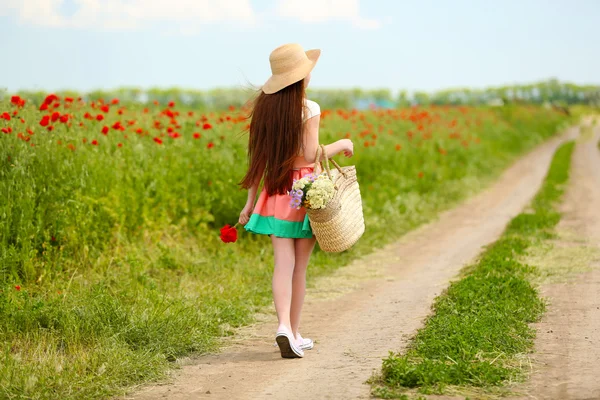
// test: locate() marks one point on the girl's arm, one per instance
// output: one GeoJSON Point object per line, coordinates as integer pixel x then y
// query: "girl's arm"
{"type": "Point", "coordinates": [247, 210]}
{"type": "Point", "coordinates": [311, 142]}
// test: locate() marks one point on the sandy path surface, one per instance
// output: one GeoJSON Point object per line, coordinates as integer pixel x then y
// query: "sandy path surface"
{"type": "Point", "coordinates": [567, 359]}
{"type": "Point", "coordinates": [363, 310]}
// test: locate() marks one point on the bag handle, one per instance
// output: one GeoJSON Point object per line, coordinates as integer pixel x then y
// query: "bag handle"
{"type": "Point", "coordinates": [322, 152]}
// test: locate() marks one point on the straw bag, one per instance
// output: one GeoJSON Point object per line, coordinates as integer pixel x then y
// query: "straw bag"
{"type": "Point", "coordinates": [340, 224]}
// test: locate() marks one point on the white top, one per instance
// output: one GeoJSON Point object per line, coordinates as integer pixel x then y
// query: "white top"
{"type": "Point", "coordinates": [310, 110]}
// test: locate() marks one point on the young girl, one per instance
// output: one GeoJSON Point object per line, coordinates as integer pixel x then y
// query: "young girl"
{"type": "Point", "coordinates": [284, 136]}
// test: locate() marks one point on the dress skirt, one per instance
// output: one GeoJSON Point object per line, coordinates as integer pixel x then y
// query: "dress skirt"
{"type": "Point", "coordinates": [273, 215]}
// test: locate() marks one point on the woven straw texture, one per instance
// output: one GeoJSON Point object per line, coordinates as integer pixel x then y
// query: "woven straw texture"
{"type": "Point", "coordinates": [338, 226]}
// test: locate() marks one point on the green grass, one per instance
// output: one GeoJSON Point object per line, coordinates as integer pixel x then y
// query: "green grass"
{"type": "Point", "coordinates": [116, 249]}
{"type": "Point", "coordinates": [480, 325]}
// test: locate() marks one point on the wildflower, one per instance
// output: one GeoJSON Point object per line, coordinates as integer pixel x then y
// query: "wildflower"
{"type": "Point", "coordinates": [94, 142]}
{"type": "Point", "coordinates": [206, 126]}
{"type": "Point", "coordinates": [55, 116]}
{"type": "Point", "coordinates": [158, 140]}
{"type": "Point", "coordinates": [45, 120]}
{"type": "Point", "coordinates": [18, 288]}
{"type": "Point", "coordinates": [64, 118]}
{"type": "Point", "coordinates": [210, 145]}
{"type": "Point", "coordinates": [105, 130]}
{"type": "Point", "coordinates": [229, 234]}
{"type": "Point", "coordinates": [99, 117]}
{"type": "Point", "coordinates": [5, 116]}
{"type": "Point", "coordinates": [197, 135]}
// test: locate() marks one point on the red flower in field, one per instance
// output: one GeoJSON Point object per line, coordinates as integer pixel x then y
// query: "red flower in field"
{"type": "Point", "coordinates": [146, 110]}
{"type": "Point", "coordinates": [120, 112]}
{"type": "Point", "coordinates": [190, 113]}
{"type": "Point", "coordinates": [87, 115]}
{"type": "Point", "coordinates": [50, 99]}
{"type": "Point", "coordinates": [206, 126]}
{"type": "Point", "coordinates": [421, 174]}
{"type": "Point", "coordinates": [210, 145]}
{"type": "Point", "coordinates": [105, 130]}
{"type": "Point", "coordinates": [231, 108]}
{"type": "Point", "coordinates": [120, 145]}
{"type": "Point", "coordinates": [114, 101]}
{"type": "Point", "coordinates": [398, 147]}
{"type": "Point", "coordinates": [69, 99]}
{"type": "Point", "coordinates": [367, 144]}
{"type": "Point", "coordinates": [56, 105]}
{"type": "Point", "coordinates": [99, 117]}
{"type": "Point", "coordinates": [30, 131]}
{"type": "Point", "coordinates": [15, 99]}
{"type": "Point", "coordinates": [50, 128]}
{"type": "Point", "coordinates": [64, 119]}
{"type": "Point", "coordinates": [94, 142]}
{"type": "Point", "coordinates": [71, 146]}
{"type": "Point", "coordinates": [158, 140]}
{"type": "Point", "coordinates": [22, 120]}
{"type": "Point", "coordinates": [5, 116]}
{"type": "Point", "coordinates": [43, 107]}
{"type": "Point", "coordinates": [59, 142]}
{"type": "Point", "coordinates": [55, 116]}
{"type": "Point", "coordinates": [105, 108]}
{"type": "Point", "coordinates": [5, 130]}
{"type": "Point", "coordinates": [171, 104]}
{"type": "Point", "coordinates": [197, 135]}
{"type": "Point", "coordinates": [175, 135]}
{"type": "Point", "coordinates": [117, 125]}
{"type": "Point", "coordinates": [139, 131]}
{"type": "Point", "coordinates": [155, 102]}
{"type": "Point", "coordinates": [45, 120]}
{"type": "Point", "coordinates": [229, 234]}
{"type": "Point", "coordinates": [17, 288]}
{"type": "Point", "coordinates": [84, 140]}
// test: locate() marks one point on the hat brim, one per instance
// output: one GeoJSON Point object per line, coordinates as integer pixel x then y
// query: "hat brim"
{"type": "Point", "coordinates": [277, 82]}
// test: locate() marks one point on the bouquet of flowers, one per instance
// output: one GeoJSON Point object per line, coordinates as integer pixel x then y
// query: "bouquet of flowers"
{"type": "Point", "coordinates": [312, 191]}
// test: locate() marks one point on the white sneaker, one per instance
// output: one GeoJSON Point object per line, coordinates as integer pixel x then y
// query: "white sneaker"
{"type": "Point", "coordinates": [287, 345]}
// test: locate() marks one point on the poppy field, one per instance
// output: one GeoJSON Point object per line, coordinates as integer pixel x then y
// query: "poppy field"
{"type": "Point", "coordinates": [111, 265]}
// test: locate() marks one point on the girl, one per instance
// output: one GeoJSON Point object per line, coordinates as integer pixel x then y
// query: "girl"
{"type": "Point", "coordinates": [284, 136]}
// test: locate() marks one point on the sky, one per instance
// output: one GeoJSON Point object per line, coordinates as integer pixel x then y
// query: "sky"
{"type": "Point", "coordinates": [202, 44]}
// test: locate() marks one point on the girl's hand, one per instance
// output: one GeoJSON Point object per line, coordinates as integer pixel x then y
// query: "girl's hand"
{"type": "Point", "coordinates": [348, 148]}
{"type": "Point", "coordinates": [245, 214]}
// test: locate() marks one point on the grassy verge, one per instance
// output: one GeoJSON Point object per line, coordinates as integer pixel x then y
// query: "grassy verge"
{"type": "Point", "coordinates": [110, 262]}
{"type": "Point", "coordinates": [481, 323]}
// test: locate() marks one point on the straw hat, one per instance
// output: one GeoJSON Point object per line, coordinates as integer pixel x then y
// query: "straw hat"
{"type": "Point", "coordinates": [289, 64]}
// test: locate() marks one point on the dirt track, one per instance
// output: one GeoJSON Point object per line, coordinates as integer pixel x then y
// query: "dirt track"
{"type": "Point", "coordinates": [363, 310]}
{"type": "Point", "coordinates": [567, 359]}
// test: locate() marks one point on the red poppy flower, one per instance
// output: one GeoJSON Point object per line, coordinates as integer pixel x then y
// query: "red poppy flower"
{"type": "Point", "coordinates": [105, 130]}
{"type": "Point", "coordinates": [120, 145]}
{"type": "Point", "coordinates": [139, 131]}
{"type": "Point", "coordinates": [5, 116]}
{"type": "Point", "coordinates": [158, 140]}
{"type": "Point", "coordinates": [69, 99]}
{"type": "Point", "coordinates": [398, 147]}
{"type": "Point", "coordinates": [43, 107]}
{"type": "Point", "coordinates": [30, 131]}
{"type": "Point", "coordinates": [50, 128]}
{"type": "Point", "coordinates": [5, 130]}
{"type": "Point", "coordinates": [175, 135]}
{"type": "Point", "coordinates": [210, 145]}
{"type": "Point", "coordinates": [114, 101]}
{"type": "Point", "coordinates": [171, 104]}
{"type": "Point", "coordinates": [17, 288]}
{"type": "Point", "coordinates": [64, 119]}
{"type": "Point", "coordinates": [45, 120]}
{"type": "Point", "coordinates": [99, 117]}
{"type": "Point", "coordinates": [50, 99]}
{"type": "Point", "coordinates": [15, 99]}
{"type": "Point", "coordinates": [105, 109]}
{"type": "Point", "coordinates": [22, 120]}
{"type": "Point", "coordinates": [229, 234]}
{"type": "Point", "coordinates": [94, 142]}
{"type": "Point", "coordinates": [206, 126]}
{"type": "Point", "coordinates": [71, 146]}
{"type": "Point", "coordinates": [197, 135]}
{"type": "Point", "coordinates": [55, 116]}
{"type": "Point", "coordinates": [117, 125]}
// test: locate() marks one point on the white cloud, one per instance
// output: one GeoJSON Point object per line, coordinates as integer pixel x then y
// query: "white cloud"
{"type": "Point", "coordinates": [189, 15]}
{"type": "Point", "coordinates": [314, 11]}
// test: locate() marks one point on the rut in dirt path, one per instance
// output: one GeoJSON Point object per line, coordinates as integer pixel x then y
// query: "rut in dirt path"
{"type": "Point", "coordinates": [358, 328]}
{"type": "Point", "coordinates": [567, 347]}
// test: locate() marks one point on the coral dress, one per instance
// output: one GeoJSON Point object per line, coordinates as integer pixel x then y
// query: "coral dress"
{"type": "Point", "coordinates": [273, 215]}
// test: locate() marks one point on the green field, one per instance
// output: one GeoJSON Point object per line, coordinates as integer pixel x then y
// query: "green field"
{"type": "Point", "coordinates": [110, 261]}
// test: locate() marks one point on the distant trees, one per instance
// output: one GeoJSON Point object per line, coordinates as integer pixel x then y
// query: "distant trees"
{"type": "Point", "coordinates": [550, 91]}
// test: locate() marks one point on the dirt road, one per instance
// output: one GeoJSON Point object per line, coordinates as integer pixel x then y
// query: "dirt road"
{"type": "Point", "coordinates": [363, 310]}
{"type": "Point", "coordinates": [567, 358]}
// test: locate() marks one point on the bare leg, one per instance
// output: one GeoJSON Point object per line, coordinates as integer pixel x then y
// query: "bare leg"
{"type": "Point", "coordinates": [284, 254]}
{"type": "Point", "coordinates": [303, 250]}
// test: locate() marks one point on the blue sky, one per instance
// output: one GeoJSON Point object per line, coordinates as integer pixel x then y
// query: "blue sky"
{"type": "Point", "coordinates": [396, 44]}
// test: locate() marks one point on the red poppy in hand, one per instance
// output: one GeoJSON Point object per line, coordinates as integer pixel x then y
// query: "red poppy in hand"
{"type": "Point", "coordinates": [229, 234]}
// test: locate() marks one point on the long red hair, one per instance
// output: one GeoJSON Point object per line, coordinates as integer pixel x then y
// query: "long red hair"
{"type": "Point", "coordinates": [275, 138]}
